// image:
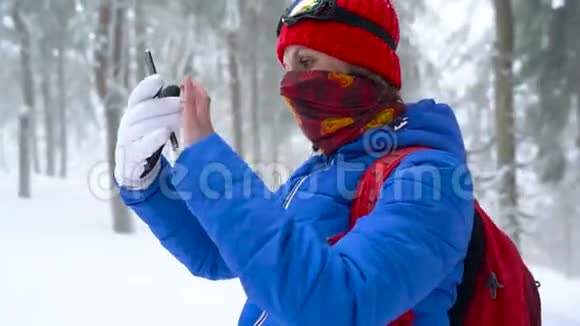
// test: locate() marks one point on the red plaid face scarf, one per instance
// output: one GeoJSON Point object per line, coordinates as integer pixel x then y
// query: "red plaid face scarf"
{"type": "Point", "coordinates": [334, 109]}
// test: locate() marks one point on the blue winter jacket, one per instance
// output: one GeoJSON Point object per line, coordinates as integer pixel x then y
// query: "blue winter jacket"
{"type": "Point", "coordinates": [215, 215]}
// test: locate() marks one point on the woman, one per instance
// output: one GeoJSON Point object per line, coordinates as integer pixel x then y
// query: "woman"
{"type": "Point", "coordinates": [217, 217]}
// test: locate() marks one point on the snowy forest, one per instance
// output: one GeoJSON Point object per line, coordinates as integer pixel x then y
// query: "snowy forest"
{"type": "Point", "coordinates": [71, 253]}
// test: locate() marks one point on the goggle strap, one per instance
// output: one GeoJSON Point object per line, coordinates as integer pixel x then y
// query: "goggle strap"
{"type": "Point", "coordinates": [347, 17]}
{"type": "Point", "coordinates": [350, 18]}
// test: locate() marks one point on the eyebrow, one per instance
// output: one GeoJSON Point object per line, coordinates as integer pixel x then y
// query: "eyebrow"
{"type": "Point", "coordinates": [297, 53]}
{"type": "Point", "coordinates": [303, 51]}
{"type": "Point", "coordinates": [292, 57]}
{"type": "Point", "coordinates": [289, 53]}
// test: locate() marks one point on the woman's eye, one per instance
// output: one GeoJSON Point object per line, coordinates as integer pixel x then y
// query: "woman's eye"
{"type": "Point", "coordinates": [306, 63]}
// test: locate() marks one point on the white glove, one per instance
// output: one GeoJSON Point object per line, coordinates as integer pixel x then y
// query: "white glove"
{"type": "Point", "coordinates": [143, 131]}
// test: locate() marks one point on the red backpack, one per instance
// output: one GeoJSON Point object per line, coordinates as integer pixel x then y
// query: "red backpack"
{"type": "Point", "coordinates": [497, 288]}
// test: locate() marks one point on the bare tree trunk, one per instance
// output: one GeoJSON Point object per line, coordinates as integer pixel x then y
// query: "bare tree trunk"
{"type": "Point", "coordinates": [575, 8]}
{"type": "Point", "coordinates": [188, 66]}
{"type": "Point", "coordinates": [504, 115]}
{"type": "Point", "coordinates": [111, 98]}
{"type": "Point", "coordinates": [102, 48]}
{"type": "Point", "coordinates": [62, 111]}
{"type": "Point", "coordinates": [63, 14]}
{"type": "Point", "coordinates": [126, 67]}
{"type": "Point", "coordinates": [3, 163]}
{"type": "Point", "coordinates": [235, 93]}
{"type": "Point", "coordinates": [140, 43]}
{"type": "Point", "coordinates": [255, 107]}
{"type": "Point", "coordinates": [574, 217]}
{"type": "Point", "coordinates": [569, 234]}
{"type": "Point", "coordinates": [126, 60]}
{"type": "Point", "coordinates": [35, 159]}
{"type": "Point", "coordinates": [48, 104]}
{"type": "Point", "coordinates": [122, 222]}
{"type": "Point", "coordinates": [552, 159]}
{"type": "Point", "coordinates": [183, 55]}
{"type": "Point", "coordinates": [275, 144]}
{"type": "Point", "coordinates": [29, 97]}
{"type": "Point", "coordinates": [119, 39]}
{"type": "Point", "coordinates": [24, 132]}
{"type": "Point", "coordinates": [24, 156]}
{"type": "Point", "coordinates": [254, 84]}
{"type": "Point", "coordinates": [562, 62]}
{"type": "Point", "coordinates": [578, 123]}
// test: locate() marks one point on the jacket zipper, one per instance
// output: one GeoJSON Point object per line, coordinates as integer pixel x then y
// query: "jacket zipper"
{"type": "Point", "coordinates": [262, 319]}
{"type": "Point", "coordinates": [293, 192]}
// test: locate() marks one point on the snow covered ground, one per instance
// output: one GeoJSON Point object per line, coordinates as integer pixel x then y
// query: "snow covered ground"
{"type": "Point", "coordinates": [61, 265]}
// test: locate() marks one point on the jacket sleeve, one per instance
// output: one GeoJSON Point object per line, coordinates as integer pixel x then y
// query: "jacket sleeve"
{"type": "Point", "coordinates": [388, 263]}
{"type": "Point", "coordinates": [166, 214]}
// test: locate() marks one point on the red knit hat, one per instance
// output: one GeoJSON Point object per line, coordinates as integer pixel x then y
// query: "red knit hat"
{"type": "Point", "coordinates": [349, 43]}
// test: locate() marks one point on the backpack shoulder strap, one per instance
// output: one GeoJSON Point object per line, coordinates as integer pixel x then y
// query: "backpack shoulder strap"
{"type": "Point", "coordinates": [370, 184]}
{"type": "Point", "coordinates": [471, 266]}
{"type": "Point", "coordinates": [366, 197]}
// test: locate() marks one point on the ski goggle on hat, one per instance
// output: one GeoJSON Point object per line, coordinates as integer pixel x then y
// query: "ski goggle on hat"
{"type": "Point", "coordinates": [329, 10]}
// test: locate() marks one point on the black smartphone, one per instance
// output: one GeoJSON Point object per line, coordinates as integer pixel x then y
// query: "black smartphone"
{"type": "Point", "coordinates": [151, 69]}
{"type": "Point", "coordinates": [164, 92]}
